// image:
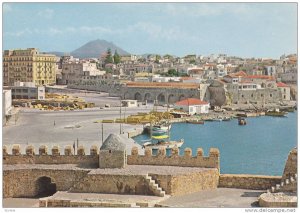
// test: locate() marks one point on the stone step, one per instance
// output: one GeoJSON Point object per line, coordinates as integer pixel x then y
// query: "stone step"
{"type": "Point", "coordinates": [155, 187]}
{"type": "Point", "coordinates": [162, 194]}
{"type": "Point", "coordinates": [150, 181]}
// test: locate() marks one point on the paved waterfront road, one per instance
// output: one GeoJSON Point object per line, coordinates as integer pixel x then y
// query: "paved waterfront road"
{"type": "Point", "coordinates": [37, 127]}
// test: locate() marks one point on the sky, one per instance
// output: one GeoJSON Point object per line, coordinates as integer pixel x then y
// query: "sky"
{"type": "Point", "coordinates": [266, 30]}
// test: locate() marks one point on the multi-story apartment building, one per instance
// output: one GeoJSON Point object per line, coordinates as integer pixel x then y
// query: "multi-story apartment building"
{"type": "Point", "coordinates": [74, 71]}
{"type": "Point", "coordinates": [28, 66]}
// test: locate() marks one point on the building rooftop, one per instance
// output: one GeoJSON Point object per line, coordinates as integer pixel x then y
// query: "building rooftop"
{"type": "Point", "coordinates": [113, 142]}
{"type": "Point", "coordinates": [260, 77]}
{"type": "Point", "coordinates": [280, 84]}
{"type": "Point", "coordinates": [190, 102]}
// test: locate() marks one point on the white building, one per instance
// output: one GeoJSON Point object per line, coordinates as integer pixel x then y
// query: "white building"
{"type": "Point", "coordinates": [157, 78]}
{"type": "Point", "coordinates": [27, 90]}
{"type": "Point", "coordinates": [129, 103]}
{"type": "Point", "coordinates": [192, 106]}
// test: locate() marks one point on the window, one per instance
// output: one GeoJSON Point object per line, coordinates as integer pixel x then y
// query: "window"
{"type": "Point", "coordinates": [271, 95]}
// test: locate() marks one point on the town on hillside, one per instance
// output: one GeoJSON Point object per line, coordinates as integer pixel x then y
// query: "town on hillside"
{"type": "Point", "coordinates": [220, 80]}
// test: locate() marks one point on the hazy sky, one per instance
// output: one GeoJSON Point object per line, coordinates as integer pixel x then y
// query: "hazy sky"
{"type": "Point", "coordinates": [241, 29]}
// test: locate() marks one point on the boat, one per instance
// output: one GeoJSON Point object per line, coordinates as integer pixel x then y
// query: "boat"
{"type": "Point", "coordinates": [242, 121]}
{"type": "Point", "coordinates": [195, 121]}
{"type": "Point", "coordinates": [226, 119]}
{"type": "Point", "coordinates": [164, 144]}
{"type": "Point", "coordinates": [165, 127]}
{"type": "Point", "coordinates": [276, 113]}
{"type": "Point", "coordinates": [157, 129]}
{"type": "Point", "coordinates": [161, 140]}
{"type": "Point", "coordinates": [158, 132]}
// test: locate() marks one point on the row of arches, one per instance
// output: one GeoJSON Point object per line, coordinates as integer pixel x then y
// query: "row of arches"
{"type": "Point", "coordinates": [161, 98]}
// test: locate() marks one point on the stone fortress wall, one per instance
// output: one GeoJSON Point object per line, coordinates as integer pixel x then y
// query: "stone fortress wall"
{"type": "Point", "coordinates": [212, 161]}
{"type": "Point", "coordinates": [92, 160]}
{"type": "Point", "coordinates": [79, 173]}
{"type": "Point", "coordinates": [23, 171]}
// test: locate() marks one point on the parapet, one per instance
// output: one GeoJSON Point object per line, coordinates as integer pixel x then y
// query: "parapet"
{"type": "Point", "coordinates": [175, 159]}
{"type": "Point", "coordinates": [5, 150]}
{"type": "Point", "coordinates": [81, 150]}
{"type": "Point", "coordinates": [68, 150]}
{"type": "Point", "coordinates": [16, 149]}
{"type": "Point", "coordinates": [94, 150]}
{"type": "Point", "coordinates": [68, 156]}
{"type": "Point", "coordinates": [30, 150]}
{"type": "Point", "coordinates": [55, 150]}
{"type": "Point", "coordinates": [43, 150]}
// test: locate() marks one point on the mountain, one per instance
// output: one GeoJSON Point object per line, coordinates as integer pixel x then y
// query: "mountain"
{"type": "Point", "coordinates": [94, 49]}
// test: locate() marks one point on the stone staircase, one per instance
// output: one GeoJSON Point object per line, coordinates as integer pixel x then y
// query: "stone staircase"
{"type": "Point", "coordinates": [289, 184]}
{"type": "Point", "coordinates": [158, 191]}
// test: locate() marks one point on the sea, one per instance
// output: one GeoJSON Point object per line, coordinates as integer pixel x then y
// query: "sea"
{"type": "Point", "coordinates": [261, 147]}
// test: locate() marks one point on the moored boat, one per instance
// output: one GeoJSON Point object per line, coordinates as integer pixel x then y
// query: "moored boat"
{"type": "Point", "coordinates": [242, 121]}
{"type": "Point", "coordinates": [276, 113]}
{"type": "Point", "coordinates": [164, 144]}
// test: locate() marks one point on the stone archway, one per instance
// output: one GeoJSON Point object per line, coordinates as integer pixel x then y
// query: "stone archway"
{"type": "Point", "coordinates": [172, 99]}
{"type": "Point", "coordinates": [148, 97]}
{"type": "Point", "coordinates": [45, 187]}
{"type": "Point", "coordinates": [181, 97]}
{"type": "Point", "coordinates": [161, 99]}
{"type": "Point", "coordinates": [127, 96]}
{"type": "Point", "coordinates": [138, 96]}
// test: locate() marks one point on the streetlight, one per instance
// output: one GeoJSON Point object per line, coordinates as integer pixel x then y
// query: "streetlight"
{"type": "Point", "coordinates": [120, 115]}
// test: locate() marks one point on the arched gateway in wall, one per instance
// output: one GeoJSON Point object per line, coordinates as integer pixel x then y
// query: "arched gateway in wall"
{"type": "Point", "coordinates": [138, 96]}
{"type": "Point", "coordinates": [45, 187]}
{"type": "Point", "coordinates": [161, 99]}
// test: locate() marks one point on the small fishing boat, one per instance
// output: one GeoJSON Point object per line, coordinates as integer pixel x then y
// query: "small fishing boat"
{"type": "Point", "coordinates": [276, 113]}
{"type": "Point", "coordinates": [158, 132]}
{"type": "Point", "coordinates": [226, 119]}
{"type": "Point", "coordinates": [242, 121]}
{"type": "Point", "coordinates": [163, 144]}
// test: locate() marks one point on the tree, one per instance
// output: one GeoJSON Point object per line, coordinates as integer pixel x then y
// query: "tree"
{"type": "Point", "coordinates": [117, 57]}
{"type": "Point", "coordinates": [108, 58]}
{"type": "Point", "coordinates": [157, 58]}
{"type": "Point", "coordinates": [172, 72]}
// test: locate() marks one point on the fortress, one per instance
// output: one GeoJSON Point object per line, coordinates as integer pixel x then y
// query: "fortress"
{"type": "Point", "coordinates": [110, 170]}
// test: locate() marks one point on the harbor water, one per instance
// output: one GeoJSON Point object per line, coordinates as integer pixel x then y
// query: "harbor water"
{"type": "Point", "coordinates": [260, 147]}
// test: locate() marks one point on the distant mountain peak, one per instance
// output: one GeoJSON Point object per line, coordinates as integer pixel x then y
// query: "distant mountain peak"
{"type": "Point", "coordinates": [94, 48]}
